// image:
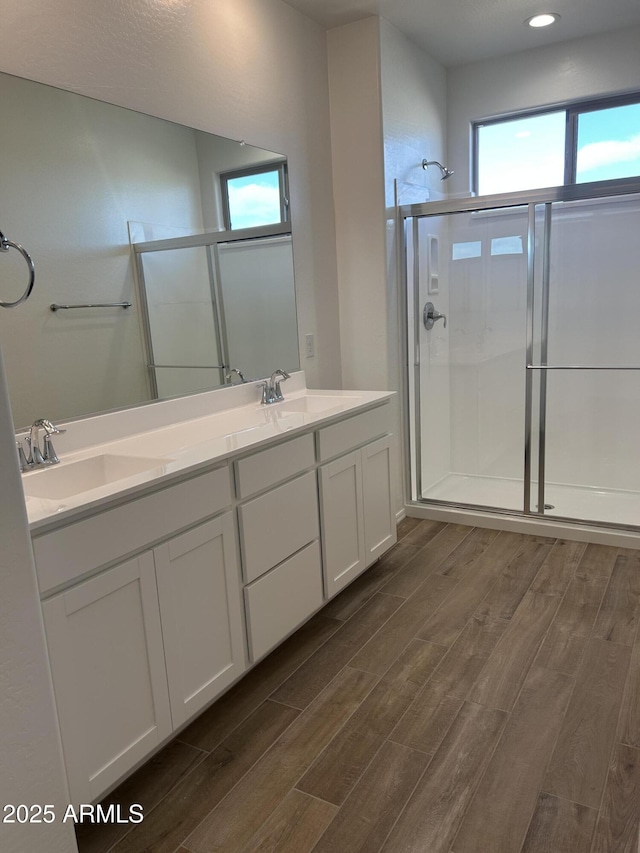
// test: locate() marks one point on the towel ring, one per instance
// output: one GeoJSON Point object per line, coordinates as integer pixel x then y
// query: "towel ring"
{"type": "Point", "coordinates": [5, 245]}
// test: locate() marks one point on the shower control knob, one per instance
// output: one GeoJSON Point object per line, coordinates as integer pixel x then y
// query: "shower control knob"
{"type": "Point", "coordinates": [430, 316]}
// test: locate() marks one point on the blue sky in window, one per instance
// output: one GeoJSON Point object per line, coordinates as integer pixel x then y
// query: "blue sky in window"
{"type": "Point", "coordinates": [522, 154]}
{"type": "Point", "coordinates": [254, 200]}
{"type": "Point", "coordinates": [609, 144]}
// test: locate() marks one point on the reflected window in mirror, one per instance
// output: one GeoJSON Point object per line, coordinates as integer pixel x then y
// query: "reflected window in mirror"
{"type": "Point", "coordinates": [255, 196]}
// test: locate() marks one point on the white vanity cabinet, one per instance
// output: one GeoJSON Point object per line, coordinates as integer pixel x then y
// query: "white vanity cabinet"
{"type": "Point", "coordinates": [156, 604]}
{"type": "Point", "coordinates": [139, 648]}
{"type": "Point", "coordinates": [358, 520]}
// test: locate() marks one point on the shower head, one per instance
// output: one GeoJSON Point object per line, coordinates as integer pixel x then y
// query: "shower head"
{"type": "Point", "coordinates": [446, 173]}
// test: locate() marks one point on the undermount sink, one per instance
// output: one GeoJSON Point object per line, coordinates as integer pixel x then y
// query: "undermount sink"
{"type": "Point", "coordinates": [67, 479]}
{"type": "Point", "coordinates": [315, 404]}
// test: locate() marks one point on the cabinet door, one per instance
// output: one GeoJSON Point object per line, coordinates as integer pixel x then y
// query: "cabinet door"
{"type": "Point", "coordinates": [342, 521]}
{"type": "Point", "coordinates": [379, 517]}
{"type": "Point", "coordinates": [199, 593]}
{"type": "Point", "coordinates": [105, 648]}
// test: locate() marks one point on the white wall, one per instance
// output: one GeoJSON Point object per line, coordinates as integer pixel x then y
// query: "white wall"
{"type": "Point", "coordinates": [358, 188]}
{"type": "Point", "coordinates": [572, 70]}
{"type": "Point", "coordinates": [414, 116]}
{"type": "Point", "coordinates": [29, 744]}
{"type": "Point", "coordinates": [388, 108]}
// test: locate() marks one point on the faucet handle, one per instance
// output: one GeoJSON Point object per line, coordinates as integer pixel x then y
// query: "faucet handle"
{"type": "Point", "coordinates": [264, 388]}
{"type": "Point", "coordinates": [50, 457]}
{"type": "Point", "coordinates": [35, 454]}
{"type": "Point", "coordinates": [22, 459]}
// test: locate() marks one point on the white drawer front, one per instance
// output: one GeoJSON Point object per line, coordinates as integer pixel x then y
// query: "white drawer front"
{"type": "Point", "coordinates": [79, 548]}
{"type": "Point", "coordinates": [270, 467]}
{"type": "Point", "coordinates": [277, 524]}
{"type": "Point", "coordinates": [341, 437]}
{"type": "Point", "coordinates": [280, 601]}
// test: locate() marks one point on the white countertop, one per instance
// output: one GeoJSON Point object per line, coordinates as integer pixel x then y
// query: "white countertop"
{"type": "Point", "coordinates": [174, 449]}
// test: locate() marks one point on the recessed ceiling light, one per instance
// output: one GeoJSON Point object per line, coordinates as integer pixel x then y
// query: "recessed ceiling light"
{"type": "Point", "coordinates": [543, 20]}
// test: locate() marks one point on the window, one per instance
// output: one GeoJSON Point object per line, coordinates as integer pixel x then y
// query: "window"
{"type": "Point", "coordinates": [608, 144]}
{"type": "Point", "coordinates": [597, 141]}
{"type": "Point", "coordinates": [521, 154]}
{"type": "Point", "coordinates": [254, 197]}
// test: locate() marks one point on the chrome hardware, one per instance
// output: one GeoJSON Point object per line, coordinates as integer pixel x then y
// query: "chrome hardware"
{"type": "Point", "coordinates": [5, 245]}
{"type": "Point", "coordinates": [271, 391]}
{"type": "Point", "coordinates": [49, 453]}
{"type": "Point", "coordinates": [187, 366]}
{"type": "Point", "coordinates": [22, 459]}
{"type": "Point", "coordinates": [229, 376]}
{"type": "Point", "coordinates": [430, 316]}
{"type": "Point", "coordinates": [275, 384]}
{"type": "Point", "coordinates": [583, 367]}
{"type": "Point", "coordinates": [445, 173]}
{"type": "Point", "coordinates": [56, 307]}
{"type": "Point", "coordinates": [36, 457]}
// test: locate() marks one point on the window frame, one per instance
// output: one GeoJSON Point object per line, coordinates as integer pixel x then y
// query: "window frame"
{"type": "Point", "coordinates": [279, 166]}
{"type": "Point", "coordinates": [572, 111]}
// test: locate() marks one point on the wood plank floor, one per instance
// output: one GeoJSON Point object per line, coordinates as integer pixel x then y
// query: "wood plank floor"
{"type": "Point", "coordinates": [473, 692]}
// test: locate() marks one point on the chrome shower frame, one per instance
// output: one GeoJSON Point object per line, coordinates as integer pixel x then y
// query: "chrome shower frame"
{"type": "Point", "coordinates": [408, 216]}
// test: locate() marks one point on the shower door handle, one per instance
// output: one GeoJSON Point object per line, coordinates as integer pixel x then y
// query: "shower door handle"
{"type": "Point", "coordinates": [430, 316]}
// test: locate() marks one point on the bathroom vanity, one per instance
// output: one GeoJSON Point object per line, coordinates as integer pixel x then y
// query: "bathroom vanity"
{"type": "Point", "coordinates": [171, 558]}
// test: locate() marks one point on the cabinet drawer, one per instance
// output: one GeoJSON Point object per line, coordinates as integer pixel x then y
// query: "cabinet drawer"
{"type": "Point", "coordinates": [281, 600]}
{"type": "Point", "coordinates": [277, 524]}
{"type": "Point", "coordinates": [341, 437]}
{"type": "Point", "coordinates": [270, 467]}
{"type": "Point", "coordinates": [79, 548]}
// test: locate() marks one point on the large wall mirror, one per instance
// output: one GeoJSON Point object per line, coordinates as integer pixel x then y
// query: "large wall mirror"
{"type": "Point", "coordinates": [127, 211]}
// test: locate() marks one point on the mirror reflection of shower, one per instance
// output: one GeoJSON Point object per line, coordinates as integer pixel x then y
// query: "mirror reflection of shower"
{"type": "Point", "coordinates": [446, 173]}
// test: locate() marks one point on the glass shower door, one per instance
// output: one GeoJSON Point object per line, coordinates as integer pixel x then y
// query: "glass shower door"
{"type": "Point", "coordinates": [183, 341]}
{"type": "Point", "coordinates": [470, 364]}
{"type": "Point", "coordinates": [589, 376]}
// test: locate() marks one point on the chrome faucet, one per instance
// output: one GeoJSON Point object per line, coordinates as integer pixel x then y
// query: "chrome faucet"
{"type": "Point", "coordinates": [271, 391]}
{"type": "Point", "coordinates": [229, 376]}
{"type": "Point", "coordinates": [37, 457]}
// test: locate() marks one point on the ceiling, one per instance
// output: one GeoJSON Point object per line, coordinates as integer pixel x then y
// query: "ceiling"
{"type": "Point", "coordinates": [456, 32]}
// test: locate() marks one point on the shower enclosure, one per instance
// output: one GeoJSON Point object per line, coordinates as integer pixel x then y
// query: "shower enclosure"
{"type": "Point", "coordinates": [524, 353]}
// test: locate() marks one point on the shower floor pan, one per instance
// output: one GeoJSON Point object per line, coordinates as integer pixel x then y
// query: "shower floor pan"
{"type": "Point", "coordinates": [610, 506]}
